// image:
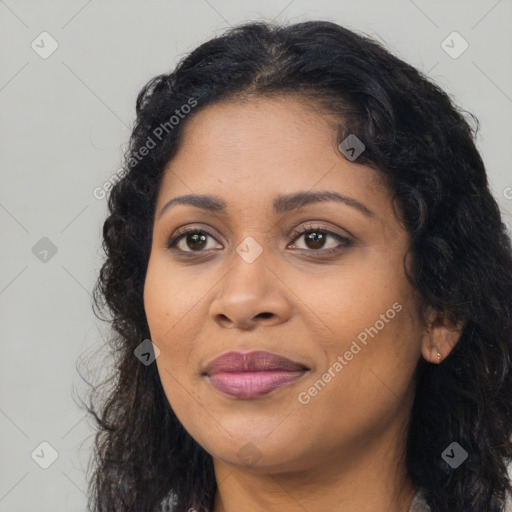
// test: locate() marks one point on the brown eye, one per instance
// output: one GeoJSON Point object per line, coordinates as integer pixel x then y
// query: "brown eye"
{"type": "Point", "coordinates": [192, 240]}
{"type": "Point", "coordinates": [195, 241]}
{"type": "Point", "coordinates": [316, 239]}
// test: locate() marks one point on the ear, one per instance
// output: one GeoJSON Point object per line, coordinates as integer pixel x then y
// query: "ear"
{"type": "Point", "coordinates": [440, 337]}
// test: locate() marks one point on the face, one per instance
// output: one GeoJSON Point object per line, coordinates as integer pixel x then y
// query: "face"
{"type": "Point", "coordinates": [305, 297]}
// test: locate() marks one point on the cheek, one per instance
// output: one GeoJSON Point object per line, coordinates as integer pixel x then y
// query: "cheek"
{"type": "Point", "coordinates": [383, 354]}
{"type": "Point", "coordinates": [365, 391]}
{"type": "Point", "coordinates": [169, 299]}
{"type": "Point", "coordinates": [353, 298]}
{"type": "Point", "coordinates": [370, 323]}
{"type": "Point", "coordinates": [172, 314]}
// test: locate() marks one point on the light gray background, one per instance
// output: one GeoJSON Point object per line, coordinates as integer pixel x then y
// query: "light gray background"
{"type": "Point", "coordinates": [64, 123]}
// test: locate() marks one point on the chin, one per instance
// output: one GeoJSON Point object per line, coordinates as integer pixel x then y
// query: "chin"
{"type": "Point", "coordinates": [258, 444]}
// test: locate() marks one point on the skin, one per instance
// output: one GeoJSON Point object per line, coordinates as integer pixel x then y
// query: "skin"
{"type": "Point", "coordinates": [344, 449]}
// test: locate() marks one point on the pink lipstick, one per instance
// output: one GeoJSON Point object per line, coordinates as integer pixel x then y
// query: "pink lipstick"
{"type": "Point", "coordinates": [252, 374]}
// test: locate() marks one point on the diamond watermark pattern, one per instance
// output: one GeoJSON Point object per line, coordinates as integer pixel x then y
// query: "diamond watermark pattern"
{"type": "Point", "coordinates": [249, 454]}
{"type": "Point", "coordinates": [249, 249]}
{"type": "Point", "coordinates": [454, 455]}
{"type": "Point", "coordinates": [147, 352]}
{"type": "Point", "coordinates": [44, 45]}
{"type": "Point", "coordinates": [454, 45]}
{"type": "Point", "coordinates": [44, 455]}
{"type": "Point", "coordinates": [351, 147]}
{"type": "Point", "coordinates": [44, 250]}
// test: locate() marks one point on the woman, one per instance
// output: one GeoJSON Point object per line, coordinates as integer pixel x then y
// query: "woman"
{"type": "Point", "coordinates": [305, 240]}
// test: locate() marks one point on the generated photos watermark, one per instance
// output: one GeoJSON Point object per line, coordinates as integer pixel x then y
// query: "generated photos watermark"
{"type": "Point", "coordinates": [158, 134]}
{"type": "Point", "coordinates": [355, 348]}
{"type": "Point", "coordinates": [161, 131]}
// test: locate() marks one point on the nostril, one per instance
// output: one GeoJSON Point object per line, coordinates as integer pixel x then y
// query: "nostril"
{"type": "Point", "coordinates": [265, 315]}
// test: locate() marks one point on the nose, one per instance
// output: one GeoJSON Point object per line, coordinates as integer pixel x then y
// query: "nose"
{"type": "Point", "coordinates": [250, 294]}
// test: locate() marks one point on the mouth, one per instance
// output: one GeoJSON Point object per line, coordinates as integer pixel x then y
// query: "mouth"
{"type": "Point", "coordinates": [253, 374]}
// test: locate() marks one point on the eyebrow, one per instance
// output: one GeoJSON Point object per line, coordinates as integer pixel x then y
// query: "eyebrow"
{"type": "Point", "coordinates": [281, 204]}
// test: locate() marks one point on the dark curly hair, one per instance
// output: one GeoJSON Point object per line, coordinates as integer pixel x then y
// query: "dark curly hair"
{"type": "Point", "coordinates": [423, 145]}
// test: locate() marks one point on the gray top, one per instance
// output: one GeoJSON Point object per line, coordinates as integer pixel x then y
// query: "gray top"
{"type": "Point", "coordinates": [418, 503]}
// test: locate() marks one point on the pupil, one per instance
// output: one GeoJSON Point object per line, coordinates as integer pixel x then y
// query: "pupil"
{"type": "Point", "coordinates": [199, 241]}
{"type": "Point", "coordinates": [316, 238]}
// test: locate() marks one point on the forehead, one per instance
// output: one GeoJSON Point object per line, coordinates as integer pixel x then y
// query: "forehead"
{"type": "Point", "coordinates": [267, 146]}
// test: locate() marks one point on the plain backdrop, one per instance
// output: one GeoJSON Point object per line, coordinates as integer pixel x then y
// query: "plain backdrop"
{"type": "Point", "coordinates": [65, 121]}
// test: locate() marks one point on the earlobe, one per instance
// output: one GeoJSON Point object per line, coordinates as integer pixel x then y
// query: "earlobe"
{"type": "Point", "coordinates": [440, 338]}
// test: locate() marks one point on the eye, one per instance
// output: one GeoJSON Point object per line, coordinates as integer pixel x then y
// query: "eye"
{"type": "Point", "coordinates": [316, 237]}
{"type": "Point", "coordinates": [191, 240]}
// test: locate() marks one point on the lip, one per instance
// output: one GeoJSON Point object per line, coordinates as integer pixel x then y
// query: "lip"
{"type": "Point", "coordinates": [252, 374]}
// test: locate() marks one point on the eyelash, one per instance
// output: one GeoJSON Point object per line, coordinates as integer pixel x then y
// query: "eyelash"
{"type": "Point", "coordinates": [345, 242]}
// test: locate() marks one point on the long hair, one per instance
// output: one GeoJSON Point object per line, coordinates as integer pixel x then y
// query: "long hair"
{"type": "Point", "coordinates": [423, 145]}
